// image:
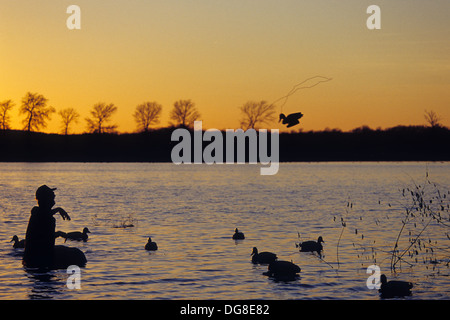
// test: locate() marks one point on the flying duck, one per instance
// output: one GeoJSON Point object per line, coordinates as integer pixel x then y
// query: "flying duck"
{"type": "Point", "coordinates": [262, 257]}
{"type": "Point", "coordinates": [394, 288]}
{"type": "Point", "coordinates": [76, 235]}
{"type": "Point", "coordinates": [311, 246]}
{"type": "Point", "coordinates": [18, 244]}
{"type": "Point", "coordinates": [291, 120]}
{"type": "Point", "coordinates": [151, 246]}
{"type": "Point", "coordinates": [238, 235]}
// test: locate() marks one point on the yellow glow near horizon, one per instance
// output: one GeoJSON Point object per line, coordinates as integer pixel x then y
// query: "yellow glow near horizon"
{"type": "Point", "coordinates": [221, 54]}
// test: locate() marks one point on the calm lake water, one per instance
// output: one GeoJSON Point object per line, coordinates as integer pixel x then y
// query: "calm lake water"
{"type": "Point", "coordinates": [191, 211]}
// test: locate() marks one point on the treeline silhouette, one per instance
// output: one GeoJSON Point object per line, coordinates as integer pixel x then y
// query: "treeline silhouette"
{"type": "Point", "coordinates": [37, 113]}
{"type": "Point", "coordinates": [401, 143]}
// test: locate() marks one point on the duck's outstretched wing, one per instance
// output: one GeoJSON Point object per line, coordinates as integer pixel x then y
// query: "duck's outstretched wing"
{"type": "Point", "coordinates": [295, 116]}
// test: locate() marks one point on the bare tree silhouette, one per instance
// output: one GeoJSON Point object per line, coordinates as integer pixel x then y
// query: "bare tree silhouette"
{"type": "Point", "coordinates": [256, 113]}
{"type": "Point", "coordinates": [101, 114]}
{"type": "Point", "coordinates": [68, 116]}
{"type": "Point", "coordinates": [432, 119]}
{"type": "Point", "coordinates": [36, 111]}
{"type": "Point", "coordinates": [147, 114]}
{"type": "Point", "coordinates": [184, 113]}
{"type": "Point", "coordinates": [5, 107]}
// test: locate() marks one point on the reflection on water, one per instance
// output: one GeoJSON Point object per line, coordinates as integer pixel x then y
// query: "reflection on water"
{"type": "Point", "coordinates": [45, 285]}
{"type": "Point", "coordinates": [192, 211]}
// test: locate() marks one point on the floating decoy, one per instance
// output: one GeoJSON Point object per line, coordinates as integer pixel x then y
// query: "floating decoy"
{"type": "Point", "coordinates": [76, 235]}
{"type": "Point", "coordinates": [67, 256]}
{"type": "Point", "coordinates": [151, 246]}
{"type": "Point", "coordinates": [263, 257]}
{"type": "Point", "coordinates": [311, 246]}
{"type": "Point", "coordinates": [238, 235]}
{"type": "Point", "coordinates": [282, 270]}
{"type": "Point", "coordinates": [18, 244]}
{"type": "Point", "coordinates": [291, 120]}
{"type": "Point", "coordinates": [394, 288]}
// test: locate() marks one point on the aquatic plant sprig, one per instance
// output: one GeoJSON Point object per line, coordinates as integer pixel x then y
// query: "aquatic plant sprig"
{"type": "Point", "coordinates": [344, 224]}
{"type": "Point", "coordinates": [422, 210]}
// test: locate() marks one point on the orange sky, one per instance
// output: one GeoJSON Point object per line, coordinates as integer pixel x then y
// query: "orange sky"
{"type": "Point", "coordinates": [221, 54]}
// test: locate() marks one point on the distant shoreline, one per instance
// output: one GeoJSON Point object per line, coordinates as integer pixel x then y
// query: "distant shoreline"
{"type": "Point", "coordinates": [402, 143]}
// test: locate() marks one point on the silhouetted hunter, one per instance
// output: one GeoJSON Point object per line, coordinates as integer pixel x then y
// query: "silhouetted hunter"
{"type": "Point", "coordinates": [40, 235]}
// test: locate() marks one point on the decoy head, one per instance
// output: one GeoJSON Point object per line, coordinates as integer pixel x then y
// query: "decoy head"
{"type": "Point", "coordinates": [86, 230]}
{"type": "Point", "coordinates": [255, 251]}
{"type": "Point", "coordinates": [383, 279]}
{"type": "Point", "coordinates": [282, 116]}
{"type": "Point", "coordinates": [319, 240]}
{"type": "Point", "coordinates": [236, 230]}
{"type": "Point", "coordinates": [15, 238]}
{"type": "Point", "coordinates": [149, 239]}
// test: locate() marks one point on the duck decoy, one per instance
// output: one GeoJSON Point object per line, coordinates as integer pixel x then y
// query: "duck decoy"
{"type": "Point", "coordinates": [312, 246]}
{"type": "Point", "coordinates": [18, 244]}
{"type": "Point", "coordinates": [67, 256]}
{"type": "Point", "coordinates": [394, 288]}
{"type": "Point", "coordinates": [283, 270]}
{"type": "Point", "coordinates": [76, 235]}
{"type": "Point", "coordinates": [238, 235]}
{"type": "Point", "coordinates": [291, 119]}
{"type": "Point", "coordinates": [263, 257]}
{"type": "Point", "coordinates": [151, 246]}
